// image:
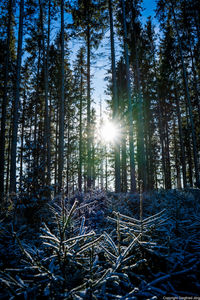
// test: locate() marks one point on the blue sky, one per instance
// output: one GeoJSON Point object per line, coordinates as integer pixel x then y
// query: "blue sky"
{"type": "Point", "coordinates": [149, 6]}
{"type": "Point", "coordinates": [98, 82]}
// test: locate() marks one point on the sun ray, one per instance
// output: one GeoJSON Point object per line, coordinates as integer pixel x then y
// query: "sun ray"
{"type": "Point", "coordinates": [110, 132]}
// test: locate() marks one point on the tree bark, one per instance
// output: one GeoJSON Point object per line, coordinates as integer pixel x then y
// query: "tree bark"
{"type": "Point", "coordinates": [47, 158]}
{"type": "Point", "coordinates": [115, 103]}
{"type": "Point", "coordinates": [80, 133]}
{"type": "Point", "coordinates": [5, 103]}
{"type": "Point", "coordinates": [180, 129]}
{"type": "Point", "coordinates": [89, 163]}
{"type": "Point", "coordinates": [130, 111]}
{"type": "Point", "coordinates": [16, 102]}
{"type": "Point", "coordinates": [61, 108]}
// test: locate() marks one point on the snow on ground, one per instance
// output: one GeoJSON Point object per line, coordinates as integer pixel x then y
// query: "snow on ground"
{"type": "Point", "coordinates": [103, 246]}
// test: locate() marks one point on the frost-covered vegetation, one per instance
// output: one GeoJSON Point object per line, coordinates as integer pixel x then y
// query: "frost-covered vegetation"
{"type": "Point", "coordinates": [102, 246]}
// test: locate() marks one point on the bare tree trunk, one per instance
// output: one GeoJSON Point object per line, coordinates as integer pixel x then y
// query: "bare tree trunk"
{"type": "Point", "coordinates": [16, 102]}
{"type": "Point", "coordinates": [131, 144]}
{"type": "Point", "coordinates": [124, 165]}
{"type": "Point", "coordinates": [161, 128]}
{"type": "Point", "coordinates": [5, 103]}
{"type": "Point", "coordinates": [101, 151]}
{"type": "Point", "coordinates": [141, 152]}
{"type": "Point", "coordinates": [22, 143]}
{"type": "Point", "coordinates": [168, 184]}
{"type": "Point", "coordinates": [89, 165]}
{"type": "Point", "coordinates": [8, 160]}
{"type": "Point", "coordinates": [176, 156]}
{"type": "Point", "coordinates": [182, 148]}
{"type": "Point", "coordinates": [48, 115]}
{"type": "Point", "coordinates": [80, 134]}
{"type": "Point", "coordinates": [106, 170]}
{"type": "Point", "coordinates": [61, 108]}
{"type": "Point", "coordinates": [115, 103]}
{"type": "Point", "coordinates": [56, 153]}
{"type": "Point", "coordinates": [47, 158]}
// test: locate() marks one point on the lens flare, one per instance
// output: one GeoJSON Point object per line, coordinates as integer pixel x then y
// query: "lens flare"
{"type": "Point", "coordinates": [110, 132]}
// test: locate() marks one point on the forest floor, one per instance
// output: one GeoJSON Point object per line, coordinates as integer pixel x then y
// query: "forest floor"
{"type": "Point", "coordinates": [102, 246]}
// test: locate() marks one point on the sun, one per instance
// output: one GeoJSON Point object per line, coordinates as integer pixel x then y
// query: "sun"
{"type": "Point", "coordinates": [109, 132]}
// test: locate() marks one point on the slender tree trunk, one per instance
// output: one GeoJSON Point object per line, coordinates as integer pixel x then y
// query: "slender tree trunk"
{"type": "Point", "coordinates": [68, 158]}
{"type": "Point", "coordinates": [176, 156]}
{"type": "Point", "coordinates": [22, 142]}
{"type": "Point", "coordinates": [141, 152]}
{"type": "Point", "coordinates": [124, 165]}
{"type": "Point", "coordinates": [46, 90]}
{"type": "Point", "coordinates": [131, 144]}
{"type": "Point", "coordinates": [36, 131]}
{"type": "Point", "coordinates": [5, 103]}
{"type": "Point", "coordinates": [182, 148]}
{"type": "Point", "coordinates": [195, 81]}
{"type": "Point", "coordinates": [16, 103]}
{"type": "Point", "coordinates": [93, 165]}
{"type": "Point", "coordinates": [142, 172]}
{"type": "Point", "coordinates": [80, 133]}
{"type": "Point", "coordinates": [185, 78]}
{"type": "Point", "coordinates": [161, 129]}
{"type": "Point", "coordinates": [48, 115]}
{"type": "Point", "coordinates": [115, 103]}
{"type": "Point", "coordinates": [61, 108]}
{"type": "Point", "coordinates": [106, 170]}
{"type": "Point", "coordinates": [56, 152]}
{"type": "Point", "coordinates": [8, 160]}
{"type": "Point", "coordinates": [101, 151]}
{"type": "Point", "coordinates": [89, 165]}
{"type": "Point", "coordinates": [160, 125]}
{"type": "Point", "coordinates": [188, 148]}
{"type": "Point", "coordinates": [168, 184]}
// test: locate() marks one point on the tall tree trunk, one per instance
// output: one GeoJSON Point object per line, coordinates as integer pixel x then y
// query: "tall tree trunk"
{"type": "Point", "coordinates": [80, 134]}
{"type": "Point", "coordinates": [130, 111]}
{"type": "Point", "coordinates": [180, 129]}
{"type": "Point", "coordinates": [46, 90]}
{"type": "Point", "coordinates": [61, 107]}
{"type": "Point", "coordinates": [185, 78]}
{"type": "Point", "coordinates": [142, 172]}
{"type": "Point", "coordinates": [115, 103]}
{"type": "Point", "coordinates": [101, 151]}
{"type": "Point", "coordinates": [124, 165]}
{"type": "Point", "coordinates": [141, 152]}
{"type": "Point", "coordinates": [16, 102]}
{"type": "Point", "coordinates": [89, 165]}
{"type": "Point", "coordinates": [161, 129]}
{"type": "Point", "coordinates": [47, 113]}
{"type": "Point", "coordinates": [8, 159]}
{"type": "Point", "coordinates": [36, 133]}
{"type": "Point", "coordinates": [176, 156]}
{"type": "Point", "coordinates": [22, 142]}
{"type": "Point", "coordinates": [56, 153]}
{"type": "Point", "coordinates": [5, 103]}
{"type": "Point", "coordinates": [68, 157]}
{"type": "Point", "coordinates": [93, 165]}
{"type": "Point", "coordinates": [106, 170]}
{"type": "Point", "coordinates": [168, 184]}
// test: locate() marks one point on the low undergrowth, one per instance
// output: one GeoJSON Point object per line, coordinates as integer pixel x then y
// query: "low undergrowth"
{"type": "Point", "coordinates": [103, 246]}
